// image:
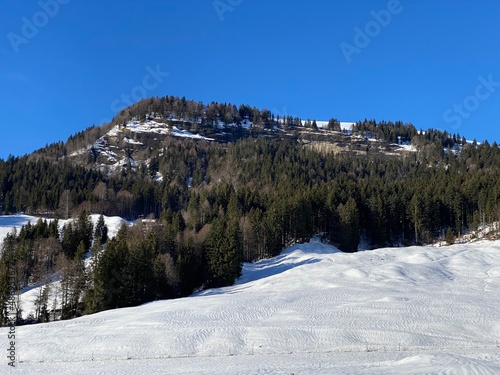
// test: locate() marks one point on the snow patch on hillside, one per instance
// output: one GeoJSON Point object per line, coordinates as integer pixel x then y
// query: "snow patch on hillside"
{"type": "Point", "coordinates": [132, 141]}
{"type": "Point", "coordinates": [346, 126]}
{"type": "Point", "coordinates": [147, 127]}
{"type": "Point", "coordinates": [407, 147]}
{"type": "Point", "coordinates": [185, 134]}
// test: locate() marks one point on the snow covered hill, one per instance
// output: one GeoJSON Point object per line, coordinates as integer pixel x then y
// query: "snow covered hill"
{"type": "Point", "coordinates": [311, 310]}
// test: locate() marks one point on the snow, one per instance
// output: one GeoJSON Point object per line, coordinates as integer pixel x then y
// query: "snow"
{"type": "Point", "coordinates": [147, 127]}
{"type": "Point", "coordinates": [158, 177]}
{"type": "Point", "coordinates": [343, 125]}
{"type": "Point", "coordinates": [369, 139]}
{"type": "Point", "coordinates": [320, 124]}
{"type": "Point", "coordinates": [30, 294]}
{"type": "Point", "coordinates": [185, 134]}
{"type": "Point", "coordinates": [103, 147]}
{"type": "Point", "coordinates": [132, 141]}
{"type": "Point", "coordinates": [114, 131]}
{"type": "Point", "coordinates": [311, 310]}
{"type": "Point", "coordinates": [346, 125]}
{"type": "Point", "coordinates": [79, 152]}
{"type": "Point", "coordinates": [407, 147]}
{"type": "Point", "coordinates": [114, 223]}
{"type": "Point", "coordinates": [246, 124]}
{"type": "Point", "coordinates": [9, 222]}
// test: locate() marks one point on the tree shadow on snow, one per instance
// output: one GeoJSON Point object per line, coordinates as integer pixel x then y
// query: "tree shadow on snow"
{"type": "Point", "coordinates": [14, 221]}
{"type": "Point", "coordinates": [259, 271]}
{"type": "Point", "coordinates": [267, 268]}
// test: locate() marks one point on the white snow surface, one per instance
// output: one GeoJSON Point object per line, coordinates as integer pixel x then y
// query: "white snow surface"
{"type": "Point", "coordinates": [409, 148]}
{"type": "Point", "coordinates": [9, 222]}
{"type": "Point", "coordinates": [343, 124]}
{"type": "Point", "coordinates": [147, 127]}
{"type": "Point", "coordinates": [311, 310]}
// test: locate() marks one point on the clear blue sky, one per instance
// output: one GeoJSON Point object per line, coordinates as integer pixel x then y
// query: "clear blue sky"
{"type": "Point", "coordinates": [69, 64]}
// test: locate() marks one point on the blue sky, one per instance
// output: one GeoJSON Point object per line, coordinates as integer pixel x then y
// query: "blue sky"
{"type": "Point", "coordinates": [68, 64]}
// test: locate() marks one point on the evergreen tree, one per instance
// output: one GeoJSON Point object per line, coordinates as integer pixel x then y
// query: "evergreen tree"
{"type": "Point", "coordinates": [349, 226]}
{"type": "Point", "coordinates": [101, 231]}
{"type": "Point", "coordinates": [450, 237]}
{"type": "Point", "coordinates": [224, 253]}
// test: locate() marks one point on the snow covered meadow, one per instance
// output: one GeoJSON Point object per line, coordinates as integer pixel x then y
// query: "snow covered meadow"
{"type": "Point", "coordinates": [311, 310]}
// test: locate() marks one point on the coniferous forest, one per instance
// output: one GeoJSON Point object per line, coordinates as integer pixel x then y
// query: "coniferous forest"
{"type": "Point", "coordinates": [224, 202]}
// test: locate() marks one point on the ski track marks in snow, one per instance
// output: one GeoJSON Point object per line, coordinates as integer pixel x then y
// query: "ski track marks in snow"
{"type": "Point", "coordinates": [311, 310]}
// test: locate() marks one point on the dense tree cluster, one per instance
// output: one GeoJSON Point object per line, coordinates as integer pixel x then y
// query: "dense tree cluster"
{"type": "Point", "coordinates": [212, 114]}
{"type": "Point", "coordinates": [388, 131]}
{"type": "Point", "coordinates": [39, 254]}
{"type": "Point", "coordinates": [41, 186]}
{"type": "Point", "coordinates": [144, 262]}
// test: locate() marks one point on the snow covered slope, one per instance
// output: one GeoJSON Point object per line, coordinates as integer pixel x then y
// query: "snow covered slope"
{"type": "Point", "coordinates": [311, 310]}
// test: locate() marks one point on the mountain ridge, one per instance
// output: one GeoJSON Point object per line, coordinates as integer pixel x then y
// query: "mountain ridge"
{"type": "Point", "coordinates": [150, 122]}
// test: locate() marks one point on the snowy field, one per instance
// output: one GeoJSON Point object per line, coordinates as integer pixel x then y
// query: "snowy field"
{"type": "Point", "coordinates": [311, 310]}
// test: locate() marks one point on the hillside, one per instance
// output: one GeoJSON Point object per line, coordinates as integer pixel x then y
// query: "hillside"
{"type": "Point", "coordinates": [136, 143]}
{"type": "Point", "coordinates": [310, 310]}
{"type": "Point", "coordinates": [220, 185]}
{"type": "Point", "coordinates": [138, 134]}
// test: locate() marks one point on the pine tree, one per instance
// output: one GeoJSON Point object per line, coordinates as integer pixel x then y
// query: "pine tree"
{"type": "Point", "coordinates": [41, 303]}
{"type": "Point", "coordinates": [74, 281]}
{"type": "Point", "coordinates": [84, 230]}
{"type": "Point", "coordinates": [450, 237]}
{"type": "Point", "coordinates": [101, 231]}
{"type": "Point", "coordinates": [4, 292]}
{"type": "Point", "coordinates": [108, 279]}
{"type": "Point", "coordinates": [224, 252]}
{"type": "Point", "coordinates": [349, 226]}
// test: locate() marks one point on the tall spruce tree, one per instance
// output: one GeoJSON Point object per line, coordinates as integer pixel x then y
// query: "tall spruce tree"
{"type": "Point", "coordinates": [224, 252]}
{"type": "Point", "coordinates": [349, 226]}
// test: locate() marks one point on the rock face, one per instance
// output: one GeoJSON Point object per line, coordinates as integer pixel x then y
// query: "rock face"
{"type": "Point", "coordinates": [136, 142]}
